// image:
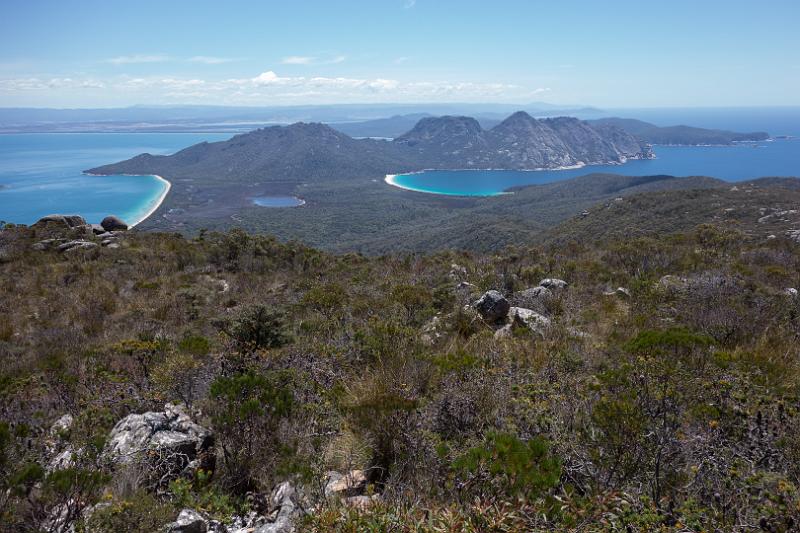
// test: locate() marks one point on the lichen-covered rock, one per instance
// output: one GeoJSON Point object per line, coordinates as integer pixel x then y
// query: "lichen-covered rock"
{"type": "Point", "coordinates": [170, 435]}
{"type": "Point", "coordinates": [283, 500]}
{"type": "Point", "coordinates": [536, 298]}
{"type": "Point", "coordinates": [622, 292]}
{"type": "Point", "coordinates": [64, 221]}
{"type": "Point", "coordinates": [553, 283]}
{"type": "Point", "coordinates": [352, 483]}
{"type": "Point", "coordinates": [113, 223]}
{"type": "Point", "coordinates": [431, 331]}
{"type": "Point", "coordinates": [60, 451]}
{"type": "Point", "coordinates": [76, 245]}
{"type": "Point", "coordinates": [671, 283]}
{"type": "Point", "coordinates": [189, 521]}
{"type": "Point", "coordinates": [492, 306]}
{"type": "Point", "coordinates": [533, 320]}
{"type": "Point", "coordinates": [362, 502]}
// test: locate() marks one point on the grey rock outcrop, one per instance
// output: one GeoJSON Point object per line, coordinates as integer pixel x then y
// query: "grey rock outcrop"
{"type": "Point", "coordinates": [62, 425]}
{"type": "Point", "coordinates": [533, 320]}
{"type": "Point", "coordinates": [189, 521]}
{"type": "Point", "coordinates": [284, 501]}
{"type": "Point", "coordinates": [519, 316]}
{"type": "Point", "coordinates": [63, 221]}
{"type": "Point", "coordinates": [179, 443]}
{"type": "Point", "coordinates": [536, 298]}
{"type": "Point", "coordinates": [671, 283]}
{"type": "Point", "coordinates": [352, 483]}
{"type": "Point", "coordinates": [553, 283]}
{"type": "Point", "coordinates": [362, 502]}
{"type": "Point", "coordinates": [113, 223]}
{"type": "Point", "coordinates": [622, 292]}
{"type": "Point", "coordinates": [76, 245]}
{"type": "Point", "coordinates": [492, 306]}
{"type": "Point", "coordinates": [431, 331]}
{"type": "Point", "coordinates": [60, 451]}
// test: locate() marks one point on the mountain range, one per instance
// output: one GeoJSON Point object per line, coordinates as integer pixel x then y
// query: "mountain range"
{"type": "Point", "coordinates": [643, 131]}
{"type": "Point", "coordinates": [304, 152]}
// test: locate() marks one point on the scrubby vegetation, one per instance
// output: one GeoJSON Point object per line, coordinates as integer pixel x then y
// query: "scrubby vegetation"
{"type": "Point", "coordinates": [672, 408]}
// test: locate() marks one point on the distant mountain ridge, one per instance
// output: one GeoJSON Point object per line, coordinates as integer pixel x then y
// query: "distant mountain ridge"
{"type": "Point", "coordinates": [685, 135]}
{"type": "Point", "coordinates": [303, 152]}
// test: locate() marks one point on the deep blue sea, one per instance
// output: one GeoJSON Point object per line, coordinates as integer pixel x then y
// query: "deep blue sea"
{"type": "Point", "coordinates": [733, 163]}
{"type": "Point", "coordinates": [41, 173]}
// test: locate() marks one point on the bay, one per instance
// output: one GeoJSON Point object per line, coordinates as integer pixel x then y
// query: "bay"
{"type": "Point", "coordinates": [42, 173]}
{"type": "Point", "coordinates": [739, 162]}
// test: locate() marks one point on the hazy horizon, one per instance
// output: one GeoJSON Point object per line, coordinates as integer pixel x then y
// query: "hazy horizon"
{"type": "Point", "coordinates": [580, 53]}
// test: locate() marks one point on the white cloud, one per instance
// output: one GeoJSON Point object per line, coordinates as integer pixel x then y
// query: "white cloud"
{"type": "Point", "coordinates": [311, 60]}
{"type": "Point", "coordinates": [400, 60]}
{"type": "Point", "coordinates": [297, 60]}
{"type": "Point", "coordinates": [212, 60]}
{"type": "Point", "coordinates": [267, 87]}
{"type": "Point", "coordinates": [39, 84]}
{"type": "Point", "coordinates": [408, 4]}
{"type": "Point", "coordinates": [137, 58]}
{"type": "Point", "coordinates": [266, 78]}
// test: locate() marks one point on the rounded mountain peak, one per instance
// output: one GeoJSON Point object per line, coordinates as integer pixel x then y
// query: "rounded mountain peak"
{"type": "Point", "coordinates": [446, 128]}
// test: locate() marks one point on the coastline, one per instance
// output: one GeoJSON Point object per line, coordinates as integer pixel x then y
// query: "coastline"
{"type": "Point", "coordinates": [156, 204]}
{"type": "Point", "coordinates": [391, 179]}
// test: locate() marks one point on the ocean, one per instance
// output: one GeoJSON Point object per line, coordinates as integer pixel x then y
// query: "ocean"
{"type": "Point", "coordinates": [41, 174]}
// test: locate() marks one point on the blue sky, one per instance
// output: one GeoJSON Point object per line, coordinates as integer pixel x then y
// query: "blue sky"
{"type": "Point", "coordinates": [604, 53]}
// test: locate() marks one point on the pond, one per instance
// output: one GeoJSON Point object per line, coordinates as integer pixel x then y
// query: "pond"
{"type": "Point", "coordinates": [278, 201]}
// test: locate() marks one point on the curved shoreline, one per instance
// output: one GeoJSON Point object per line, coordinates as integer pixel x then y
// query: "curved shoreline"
{"type": "Point", "coordinates": [156, 204]}
{"type": "Point", "coordinates": [391, 179]}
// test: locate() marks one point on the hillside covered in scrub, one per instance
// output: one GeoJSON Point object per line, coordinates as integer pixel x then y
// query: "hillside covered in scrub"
{"type": "Point", "coordinates": [229, 382]}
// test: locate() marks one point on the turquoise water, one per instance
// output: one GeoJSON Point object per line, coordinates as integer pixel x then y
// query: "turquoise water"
{"type": "Point", "coordinates": [732, 163]}
{"type": "Point", "coordinates": [278, 201]}
{"type": "Point", "coordinates": [41, 174]}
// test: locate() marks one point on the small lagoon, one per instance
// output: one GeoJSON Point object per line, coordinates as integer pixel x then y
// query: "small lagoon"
{"type": "Point", "coordinates": [738, 162]}
{"type": "Point", "coordinates": [278, 201]}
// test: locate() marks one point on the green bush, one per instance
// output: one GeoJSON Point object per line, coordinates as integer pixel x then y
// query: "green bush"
{"type": "Point", "coordinates": [141, 513]}
{"type": "Point", "coordinates": [506, 467]}
{"type": "Point", "coordinates": [246, 412]}
{"type": "Point", "coordinates": [258, 327]}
